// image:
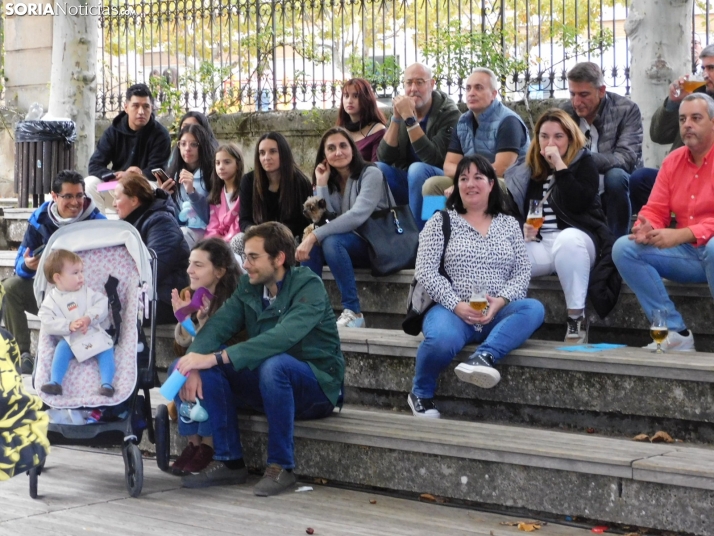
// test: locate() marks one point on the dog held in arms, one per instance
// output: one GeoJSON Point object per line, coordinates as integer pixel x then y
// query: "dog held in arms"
{"type": "Point", "coordinates": [315, 210]}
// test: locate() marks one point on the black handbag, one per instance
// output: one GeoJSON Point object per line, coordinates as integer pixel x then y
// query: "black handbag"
{"type": "Point", "coordinates": [392, 237]}
{"type": "Point", "coordinates": [419, 301]}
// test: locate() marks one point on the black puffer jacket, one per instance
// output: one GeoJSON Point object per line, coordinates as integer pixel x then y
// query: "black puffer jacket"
{"type": "Point", "coordinates": [576, 203]}
{"type": "Point", "coordinates": [158, 226]}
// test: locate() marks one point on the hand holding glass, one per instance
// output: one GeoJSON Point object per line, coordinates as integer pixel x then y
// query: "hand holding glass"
{"type": "Point", "coordinates": [478, 300]}
{"type": "Point", "coordinates": [658, 328]}
{"type": "Point", "coordinates": [692, 83]}
{"type": "Point", "coordinates": [535, 213]}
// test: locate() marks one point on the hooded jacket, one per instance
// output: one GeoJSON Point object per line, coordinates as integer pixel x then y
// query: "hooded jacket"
{"type": "Point", "coordinates": [147, 148]}
{"type": "Point", "coordinates": [41, 225]}
{"type": "Point", "coordinates": [575, 202]}
{"type": "Point", "coordinates": [159, 229]}
{"type": "Point", "coordinates": [430, 148]}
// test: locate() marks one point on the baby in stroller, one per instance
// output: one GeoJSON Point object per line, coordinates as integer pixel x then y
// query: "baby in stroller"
{"type": "Point", "coordinates": [74, 311]}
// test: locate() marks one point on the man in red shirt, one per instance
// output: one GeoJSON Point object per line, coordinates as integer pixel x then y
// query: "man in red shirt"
{"type": "Point", "coordinates": [685, 254]}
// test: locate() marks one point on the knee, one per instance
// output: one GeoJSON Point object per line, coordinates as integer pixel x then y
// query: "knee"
{"type": "Point", "coordinates": [436, 185]}
{"type": "Point", "coordinates": [623, 249]}
{"type": "Point", "coordinates": [272, 368]}
{"type": "Point", "coordinates": [617, 179]}
{"type": "Point", "coordinates": [330, 245]}
{"type": "Point", "coordinates": [709, 251]}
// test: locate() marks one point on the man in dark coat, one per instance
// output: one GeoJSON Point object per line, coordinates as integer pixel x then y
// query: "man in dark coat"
{"type": "Point", "coordinates": [135, 141]}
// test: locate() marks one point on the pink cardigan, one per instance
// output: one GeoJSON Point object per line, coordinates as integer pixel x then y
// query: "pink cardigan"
{"type": "Point", "coordinates": [223, 223]}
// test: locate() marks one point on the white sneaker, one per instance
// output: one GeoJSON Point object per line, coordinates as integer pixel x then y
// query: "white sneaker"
{"type": "Point", "coordinates": [675, 343]}
{"type": "Point", "coordinates": [349, 319]}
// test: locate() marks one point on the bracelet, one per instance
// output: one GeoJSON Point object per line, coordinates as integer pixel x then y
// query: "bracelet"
{"type": "Point", "coordinates": [417, 125]}
{"type": "Point", "coordinates": [395, 120]}
{"type": "Point", "coordinates": [219, 357]}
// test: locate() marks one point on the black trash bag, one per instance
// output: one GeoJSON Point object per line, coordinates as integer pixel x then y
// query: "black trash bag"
{"type": "Point", "coordinates": [46, 131]}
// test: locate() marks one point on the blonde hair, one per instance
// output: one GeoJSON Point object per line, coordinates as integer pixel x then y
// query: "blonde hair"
{"type": "Point", "coordinates": [576, 140]}
{"type": "Point", "coordinates": [55, 262]}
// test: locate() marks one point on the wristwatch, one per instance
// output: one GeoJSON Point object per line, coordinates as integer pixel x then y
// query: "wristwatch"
{"type": "Point", "coordinates": [219, 357]}
{"type": "Point", "coordinates": [410, 121]}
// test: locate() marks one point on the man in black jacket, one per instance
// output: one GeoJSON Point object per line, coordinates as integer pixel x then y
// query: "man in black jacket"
{"type": "Point", "coordinates": [135, 142]}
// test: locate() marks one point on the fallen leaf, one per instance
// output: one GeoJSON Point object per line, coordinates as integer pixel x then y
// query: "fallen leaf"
{"type": "Point", "coordinates": [320, 481]}
{"type": "Point", "coordinates": [662, 437]}
{"type": "Point", "coordinates": [641, 437]}
{"type": "Point", "coordinates": [372, 501]}
{"type": "Point", "coordinates": [427, 497]}
{"type": "Point", "coordinates": [528, 527]}
{"type": "Point", "coordinates": [310, 530]}
{"type": "Point", "coordinates": [590, 430]}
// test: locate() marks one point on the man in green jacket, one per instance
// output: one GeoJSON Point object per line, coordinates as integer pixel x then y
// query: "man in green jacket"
{"type": "Point", "coordinates": [291, 367]}
{"type": "Point", "coordinates": [414, 146]}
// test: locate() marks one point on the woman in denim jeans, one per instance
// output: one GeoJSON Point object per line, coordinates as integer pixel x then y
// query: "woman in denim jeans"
{"type": "Point", "coordinates": [353, 190]}
{"type": "Point", "coordinates": [211, 265]}
{"type": "Point", "coordinates": [485, 259]}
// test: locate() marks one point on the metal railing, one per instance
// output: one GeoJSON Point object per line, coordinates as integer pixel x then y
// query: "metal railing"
{"type": "Point", "coordinates": [246, 55]}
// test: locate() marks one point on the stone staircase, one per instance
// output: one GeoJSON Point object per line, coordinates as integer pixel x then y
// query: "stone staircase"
{"type": "Point", "coordinates": [553, 438]}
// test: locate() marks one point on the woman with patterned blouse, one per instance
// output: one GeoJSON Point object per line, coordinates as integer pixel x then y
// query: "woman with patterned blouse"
{"type": "Point", "coordinates": [485, 254]}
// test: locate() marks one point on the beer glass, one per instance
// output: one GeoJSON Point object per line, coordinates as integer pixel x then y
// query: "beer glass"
{"type": "Point", "coordinates": [693, 82]}
{"type": "Point", "coordinates": [535, 214]}
{"type": "Point", "coordinates": [658, 328]}
{"type": "Point", "coordinates": [478, 299]}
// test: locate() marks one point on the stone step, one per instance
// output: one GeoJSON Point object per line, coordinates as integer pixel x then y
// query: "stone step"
{"type": "Point", "coordinates": [660, 486]}
{"type": "Point", "coordinates": [14, 225]}
{"type": "Point", "coordinates": [383, 301]}
{"type": "Point", "coordinates": [623, 392]}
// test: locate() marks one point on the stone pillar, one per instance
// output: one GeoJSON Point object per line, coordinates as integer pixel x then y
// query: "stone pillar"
{"type": "Point", "coordinates": [28, 57]}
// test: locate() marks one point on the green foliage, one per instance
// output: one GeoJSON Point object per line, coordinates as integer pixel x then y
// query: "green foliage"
{"type": "Point", "coordinates": [168, 97]}
{"type": "Point", "coordinates": [381, 74]}
{"type": "Point", "coordinates": [456, 52]}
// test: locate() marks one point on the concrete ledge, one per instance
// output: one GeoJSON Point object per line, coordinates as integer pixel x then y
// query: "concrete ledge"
{"type": "Point", "coordinates": [554, 472]}
{"type": "Point", "coordinates": [14, 224]}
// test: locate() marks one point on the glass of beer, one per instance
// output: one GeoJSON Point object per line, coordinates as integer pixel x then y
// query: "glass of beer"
{"type": "Point", "coordinates": [658, 328]}
{"type": "Point", "coordinates": [478, 299]}
{"type": "Point", "coordinates": [693, 82]}
{"type": "Point", "coordinates": [535, 213]}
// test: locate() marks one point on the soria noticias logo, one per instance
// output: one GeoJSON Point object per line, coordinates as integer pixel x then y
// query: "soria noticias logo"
{"type": "Point", "coordinates": [61, 8]}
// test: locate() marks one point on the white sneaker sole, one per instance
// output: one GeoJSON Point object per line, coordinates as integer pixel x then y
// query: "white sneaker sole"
{"type": "Point", "coordinates": [484, 377]}
{"type": "Point", "coordinates": [430, 414]}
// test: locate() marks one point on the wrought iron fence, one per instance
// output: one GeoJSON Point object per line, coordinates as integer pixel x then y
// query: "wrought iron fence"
{"type": "Point", "coordinates": [246, 55]}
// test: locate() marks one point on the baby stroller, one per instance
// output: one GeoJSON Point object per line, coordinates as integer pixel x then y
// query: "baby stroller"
{"type": "Point", "coordinates": [117, 262]}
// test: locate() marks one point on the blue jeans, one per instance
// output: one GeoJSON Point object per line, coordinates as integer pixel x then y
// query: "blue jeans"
{"type": "Point", "coordinates": [643, 267]}
{"type": "Point", "coordinates": [202, 429]}
{"type": "Point", "coordinates": [445, 334]}
{"type": "Point", "coordinates": [641, 183]}
{"type": "Point", "coordinates": [616, 201]}
{"type": "Point", "coordinates": [397, 181]}
{"type": "Point", "coordinates": [416, 177]}
{"type": "Point", "coordinates": [63, 355]}
{"type": "Point", "coordinates": [282, 387]}
{"type": "Point", "coordinates": [343, 253]}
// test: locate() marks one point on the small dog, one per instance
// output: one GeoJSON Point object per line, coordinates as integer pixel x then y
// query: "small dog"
{"type": "Point", "coordinates": [315, 210]}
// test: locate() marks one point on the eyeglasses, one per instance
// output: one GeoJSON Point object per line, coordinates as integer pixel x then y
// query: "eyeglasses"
{"type": "Point", "coordinates": [69, 197]}
{"type": "Point", "coordinates": [250, 258]}
{"type": "Point", "coordinates": [418, 82]}
{"type": "Point", "coordinates": [187, 144]}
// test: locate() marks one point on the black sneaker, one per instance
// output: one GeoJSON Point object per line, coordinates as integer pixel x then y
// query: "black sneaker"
{"type": "Point", "coordinates": [216, 474]}
{"type": "Point", "coordinates": [27, 363]}
{"type": "Point", "coordinates": [478, 370]}
{"type": "Point", "coordinates": [576, 330]}
{"type": "Point", "coordinates": [423, 407]}
{"type": "Point", "coordinates": [51, 388]}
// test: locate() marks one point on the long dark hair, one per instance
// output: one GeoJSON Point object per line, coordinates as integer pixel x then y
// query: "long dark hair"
{"type": "Point", "coordinates": [290, 174]}
{"type": "Point", "coordinates": [203, 121]}
{"type": "Point", "coordinates": [369, 112]}
{"type": "Point", "coordinates": [205, 157]}
{"type": "Point", "coordinates": [214, 196]}
{"type": "Point", "coordinates": [495, 198]}
{"type": "Point", "coordinates": [356, 165]}
{"type": "Point", "coordinates": [220, 256]}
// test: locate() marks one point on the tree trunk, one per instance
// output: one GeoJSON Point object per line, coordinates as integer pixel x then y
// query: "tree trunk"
{"type": "Point", "coordinates": [73, 82]}
{"type": "Point", "coordinates": [660, 33]}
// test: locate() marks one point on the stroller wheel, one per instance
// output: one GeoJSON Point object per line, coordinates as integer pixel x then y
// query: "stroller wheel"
{"type": "Point", "coordinates": [133, 469]}
{"type": "Point", "coordinates": [163, 441]}
{"type": "Point", "coordinates": [34, 473]}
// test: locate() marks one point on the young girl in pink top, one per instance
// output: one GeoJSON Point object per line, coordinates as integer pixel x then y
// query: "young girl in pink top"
{"type": "Point", "coordinates": [223, 198]}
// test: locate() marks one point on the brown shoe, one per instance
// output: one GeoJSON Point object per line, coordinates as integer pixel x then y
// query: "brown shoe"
{"type": "Point", "coordinates": [188, 453]}
{"type": "Point", "coordinates": [200, 460]}
{"type": "Point", "coordinates": [106, 390]}
{"type": "Point", "coordinates": [275, 480]}
{"type": "Point", "coordinates": [51, 388]}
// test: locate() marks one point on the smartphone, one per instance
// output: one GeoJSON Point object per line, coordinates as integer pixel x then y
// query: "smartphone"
{"type": "Point", "coordinates": [38, 251]}
{"type": "Point", "coordinates": [160, 174]}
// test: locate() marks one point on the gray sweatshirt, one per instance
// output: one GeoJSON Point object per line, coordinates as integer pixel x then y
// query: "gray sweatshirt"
{"type": "Point", "coordinates": [360, 199]}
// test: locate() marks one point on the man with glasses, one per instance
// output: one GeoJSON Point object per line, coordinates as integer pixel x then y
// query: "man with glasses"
{"type": "Point", "coordinates": [415, 143]}
{"type": "Point", "coordinates": [135, 141]}
{"type": "Point", "coordinates": [69, 204]}
{"type": "Point", "coordinates": [290, 368]}
{"type": "Point", "coordinates": [664, 128]}
{"type": "Point", "coordinates": [612, 125]}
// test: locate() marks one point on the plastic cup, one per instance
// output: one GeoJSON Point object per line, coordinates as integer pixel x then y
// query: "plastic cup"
{"type": "Point", "coordinates": [172, 385]}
